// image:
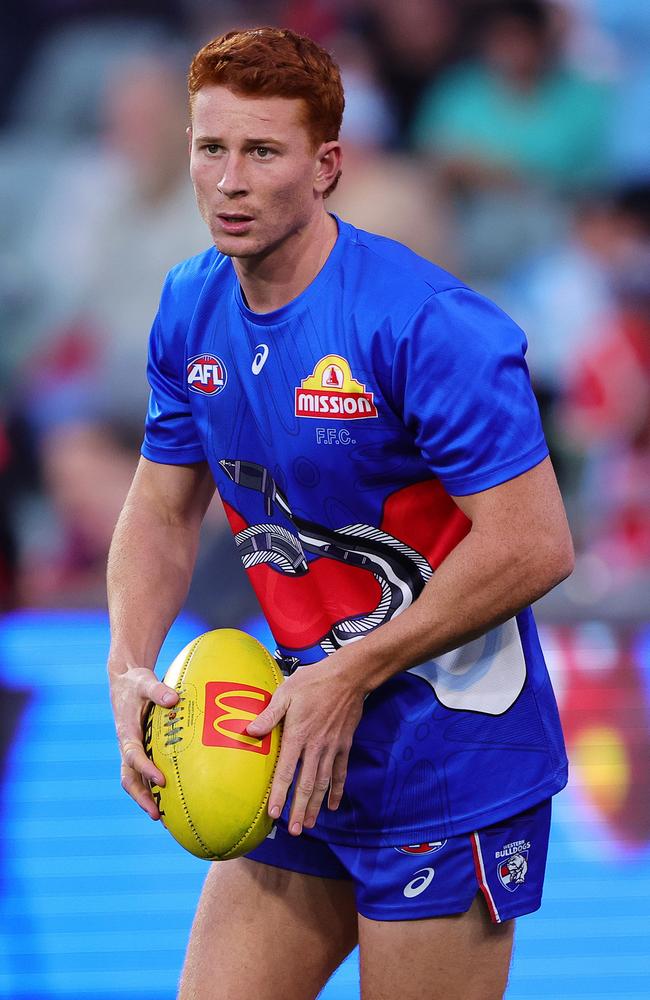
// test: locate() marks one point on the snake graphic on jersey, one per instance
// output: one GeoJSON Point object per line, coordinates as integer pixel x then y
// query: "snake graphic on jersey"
{"type": "Point", "coordinates": [400, 571]}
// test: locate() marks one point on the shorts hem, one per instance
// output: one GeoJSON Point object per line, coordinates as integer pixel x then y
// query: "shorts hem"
{"type": "Point", "coordinates": [440, 910]}
{"type": "Point", "coordinates": [511, 912]}
{"type": "Point", "coordinates": [300, 869]}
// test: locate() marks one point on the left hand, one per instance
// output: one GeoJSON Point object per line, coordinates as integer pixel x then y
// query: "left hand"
{"type": "Point", "coordinates": [321, 707]}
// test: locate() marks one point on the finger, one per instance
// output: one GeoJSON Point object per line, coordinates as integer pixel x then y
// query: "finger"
{"type": "Point", "coordinates": [321, 786]}
{"type": "Point", "coordinates": [302, 793]}
{"type": "Point", "coordinates": [133, 785]}
{"type": "Point", "coordinates": [339, 774]}
{"type": "Point", "coordinates": [284, 773]}
{"type": "Point", "coordinates": [135, 758]}
{"type": "Point", "coordinates": [151, 689]}
{"type": "Point", "coordinates": [272, 714]}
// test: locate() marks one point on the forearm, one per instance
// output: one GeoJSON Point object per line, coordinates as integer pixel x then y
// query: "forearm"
{"type": "Point", "coordinates": [479, 585]}
{"type": "Point", "coordinates": [149, 571]}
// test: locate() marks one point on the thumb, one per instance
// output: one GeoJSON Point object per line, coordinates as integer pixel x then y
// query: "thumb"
{"type": "Point", "coordinates": [161, 694]}
{"type": "Point", "coordinates": [269, 718]}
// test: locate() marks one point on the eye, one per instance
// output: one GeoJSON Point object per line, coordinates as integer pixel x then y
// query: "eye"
{"type": "Point", "coordinates": [263, 152]}
{"type": "Point", "coordinates": [212, 148]}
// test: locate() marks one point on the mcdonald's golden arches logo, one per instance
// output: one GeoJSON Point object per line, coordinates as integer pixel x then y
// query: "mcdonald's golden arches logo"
{"type": "Point", "coordinates": [229, 707]}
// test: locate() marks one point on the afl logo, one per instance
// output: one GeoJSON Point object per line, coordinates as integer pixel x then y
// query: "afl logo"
{"type": "Point", "coordinates": [206, 373]}
{"type": "Point", "coordinates": [428, 848]}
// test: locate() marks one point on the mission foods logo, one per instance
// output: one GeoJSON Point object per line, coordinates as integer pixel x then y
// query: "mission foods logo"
{"type": "Point", "coordinates": [229, 707]}
{"type": "Point", "coordinates": [206, 373]}
{"type": "Point", "coordinates": [330, 391]}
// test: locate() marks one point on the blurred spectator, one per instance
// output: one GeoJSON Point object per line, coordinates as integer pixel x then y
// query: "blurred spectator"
{"type": "Point", "coordinates": [119, 219]}
{"type": "Point", "coordinates": [412, 43]}
{"type": "Point", "coordinates": [629, 140]}
{"type": "Point", "coordinates": [383, 192]}
{"type": "Point", "coordinates": [563, 296]}
{"type": "Point", "coordinates": [27, 27]}
{"type": "Point", "coordinates": [511, 130]}
{"type": "Point", "coordinates": [116, 218]}
{"type": "Point", "coordinates": [604, 414]}
{"type": "Point", "coordinates": [607, 413]}
{"type": "Point", "coordinates": [87, 469]}
{"type": "Point", "coordinates": [514, 114]}
{"type": "Point", "coordinates": [67, 49]}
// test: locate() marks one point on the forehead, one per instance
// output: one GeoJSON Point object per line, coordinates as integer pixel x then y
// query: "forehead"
{"type": "Point", "coordinates": [216, 109]}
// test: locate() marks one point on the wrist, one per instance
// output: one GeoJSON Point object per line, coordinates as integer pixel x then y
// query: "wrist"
{"type": "Point", "coordinates": [120, 661]}
{"type": "Point", "coordinates": [350, 667]}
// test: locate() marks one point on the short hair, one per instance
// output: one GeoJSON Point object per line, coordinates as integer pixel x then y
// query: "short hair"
{"type": "Point", "coordinates": [534, 14]}
{"type": "Point", "coordinates": [275, 62]}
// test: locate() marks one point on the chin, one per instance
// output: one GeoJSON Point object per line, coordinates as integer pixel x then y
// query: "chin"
{"type": "Point", "coordinates": [233, 247]}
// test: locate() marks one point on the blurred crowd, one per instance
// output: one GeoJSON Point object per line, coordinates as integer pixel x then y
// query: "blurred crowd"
{"type": "Point", "coordinates": [508, 140]}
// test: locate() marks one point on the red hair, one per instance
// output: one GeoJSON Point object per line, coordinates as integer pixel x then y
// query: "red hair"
{"type": "Point", "coordinates": [275, 62]}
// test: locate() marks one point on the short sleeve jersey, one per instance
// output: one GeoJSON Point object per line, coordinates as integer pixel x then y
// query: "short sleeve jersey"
{"type": "Point", "coordinates": [338, 428]}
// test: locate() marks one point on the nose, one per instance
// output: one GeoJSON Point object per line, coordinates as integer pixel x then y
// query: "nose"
{"type": "Point", "coordinates": [233, 182]}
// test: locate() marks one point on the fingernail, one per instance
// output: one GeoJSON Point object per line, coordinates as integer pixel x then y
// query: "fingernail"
{"type": "Point", "coordinates": [296, 828]}
{"type": "Point", "coordinates": [274, 812]}
{"type": "Point", "coordinates": [168, 698]}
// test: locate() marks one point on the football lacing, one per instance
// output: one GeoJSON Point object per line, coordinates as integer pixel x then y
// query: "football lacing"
{"type": "Point", "coordinates": [174, 722]}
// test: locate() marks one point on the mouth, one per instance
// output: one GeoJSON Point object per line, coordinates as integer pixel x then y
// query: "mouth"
{"type": "Point", "coordinates": [234, 222]}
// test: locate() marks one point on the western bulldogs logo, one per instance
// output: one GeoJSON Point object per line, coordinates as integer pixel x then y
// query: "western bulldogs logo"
{"type": "Point", "coordinates": [512, 871]}
{"type": "Point", "coordinates": [428, 848]}
{"type": "Point", "coordinates": [206, 373]}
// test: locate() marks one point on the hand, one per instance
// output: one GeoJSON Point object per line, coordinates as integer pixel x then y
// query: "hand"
{"type": "Point", "coordinates": [321, 708]}
{"type": "Point", "coordinates": [132, 691]}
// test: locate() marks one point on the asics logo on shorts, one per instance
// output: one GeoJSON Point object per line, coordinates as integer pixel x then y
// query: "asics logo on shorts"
{"type": "Point", "coordinates": [260, 358]}
{"type": "Point", "coordinates": [420, 881]}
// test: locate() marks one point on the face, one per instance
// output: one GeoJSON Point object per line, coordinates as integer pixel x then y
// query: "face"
{"type": "Point", "coordinates": [514, 49]}
{"type": "Point", "coordinates": [257, 178]}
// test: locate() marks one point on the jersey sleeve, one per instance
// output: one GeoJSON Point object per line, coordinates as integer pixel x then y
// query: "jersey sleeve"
{"type": "Point", "coordinates": [170, 432]}
{"type": "Point", "coordinates": [461, 383]}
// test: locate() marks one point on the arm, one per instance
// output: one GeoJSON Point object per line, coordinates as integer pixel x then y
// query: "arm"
{"type": "Point", "coordinates": [149, 570]}
{"type": "Point", "coordinates": [518, 548]}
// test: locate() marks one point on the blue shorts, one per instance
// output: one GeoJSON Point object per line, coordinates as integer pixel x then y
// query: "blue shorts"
{"type": "Point", "coordinates": [506, 862]}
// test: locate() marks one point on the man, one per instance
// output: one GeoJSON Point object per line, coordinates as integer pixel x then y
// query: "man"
{"type": "Point", "coordinates": [370, 426]}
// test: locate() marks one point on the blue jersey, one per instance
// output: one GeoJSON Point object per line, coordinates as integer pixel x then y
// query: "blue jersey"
{"type": "Point", "coordinates": [338, 428]}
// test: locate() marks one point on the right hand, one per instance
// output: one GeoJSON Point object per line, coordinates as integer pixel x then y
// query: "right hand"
{"type": "Point", "coordinates": [132, 691]}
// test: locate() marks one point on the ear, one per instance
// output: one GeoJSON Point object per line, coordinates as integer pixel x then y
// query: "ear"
{"type": "Point", "coordinates": [329, 158]}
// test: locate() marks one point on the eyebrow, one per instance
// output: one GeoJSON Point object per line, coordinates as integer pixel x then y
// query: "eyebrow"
{"type": "Point", "coordinates": [252, 141]}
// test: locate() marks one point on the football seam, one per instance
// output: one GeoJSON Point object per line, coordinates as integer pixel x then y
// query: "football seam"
{"type": "Point", "coordinates": [278, 677]}
{"type": "Point", "coordinates": [204, 847]}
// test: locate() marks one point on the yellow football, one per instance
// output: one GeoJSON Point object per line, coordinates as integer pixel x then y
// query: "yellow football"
{"type": "Point", "coordinates": [217, 778]}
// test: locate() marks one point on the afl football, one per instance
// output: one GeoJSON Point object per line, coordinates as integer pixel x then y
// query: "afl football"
{"type": "Point", "coordinates": [217, 777]}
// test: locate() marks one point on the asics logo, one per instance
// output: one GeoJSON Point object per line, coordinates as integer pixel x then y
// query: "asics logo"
{"type": "Point", "coordinates": [260, 358]}
{"type": "Point", "coordinates": [418, 883]}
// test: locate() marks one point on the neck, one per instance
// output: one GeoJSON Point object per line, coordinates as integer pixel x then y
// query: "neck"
{"type": "Point", "coordinates": [271, 281]}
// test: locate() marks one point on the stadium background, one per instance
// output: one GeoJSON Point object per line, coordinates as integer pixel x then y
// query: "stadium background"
{"type": "Point", "coordinates": [517, 154]}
